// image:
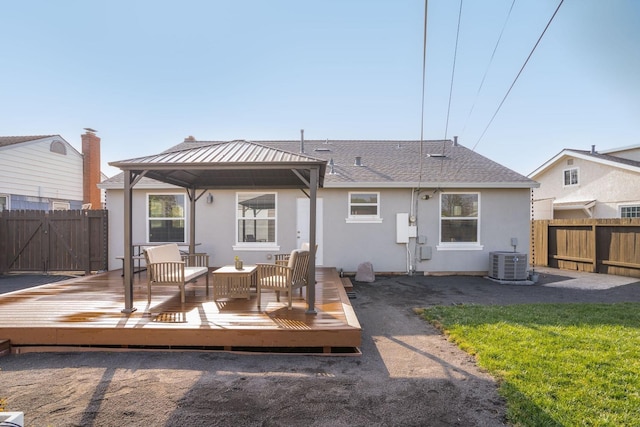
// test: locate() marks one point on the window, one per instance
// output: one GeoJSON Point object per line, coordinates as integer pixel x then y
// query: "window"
{"type": "Point", "coordinates": [4, 203]}
{"type": "Point", "coordinates": [630, 211]}
{"type": "Point", "coordinates": [570, 177]}
{"type": "Point", "coordinates": [256, 218]}
{"type": "Point", "coordinates": [58, 147]}
{"type": "Point", "coordinates": [60, 206]}
{"type": "Point", "coordinates": [459, 218]}
{"type": "Point", "coordinates": [166, 218]}
{"type": "Point", "coordinates": [364, 207]}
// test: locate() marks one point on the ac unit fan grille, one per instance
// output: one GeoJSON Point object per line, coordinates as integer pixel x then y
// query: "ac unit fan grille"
{"type": "Point", "coordinates": [508, 266]}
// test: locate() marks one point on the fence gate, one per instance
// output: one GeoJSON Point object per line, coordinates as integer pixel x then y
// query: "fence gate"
{"type": "Point", "coordinates": [39, 241]}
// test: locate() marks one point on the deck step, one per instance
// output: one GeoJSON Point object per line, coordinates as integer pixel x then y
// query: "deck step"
{"type": "Point", "coordinates": [5, 347]}
{"type": "Point", "coordinates": [348, 287]}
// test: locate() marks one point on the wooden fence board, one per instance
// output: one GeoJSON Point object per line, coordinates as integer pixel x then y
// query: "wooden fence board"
{"type": "Point", "coordinates": [610, 245]}
{"type": "Point", "coordinates": [73, 240]}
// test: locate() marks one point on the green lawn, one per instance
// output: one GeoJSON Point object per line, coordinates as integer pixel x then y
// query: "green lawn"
{"type": "Point", "coordinates": [558, 364]}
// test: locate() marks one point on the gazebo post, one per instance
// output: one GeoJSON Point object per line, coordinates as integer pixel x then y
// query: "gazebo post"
{"type": "Point", "coordinates": [192, 220]}
{"type": "Point", "coordinates": [128, 255]}
{"type": "Point", "coordinates": [311, 279]}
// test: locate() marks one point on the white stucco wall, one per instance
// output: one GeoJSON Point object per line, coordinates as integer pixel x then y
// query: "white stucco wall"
{"type": "Point", "coordinates": [610, 186]}
{"type": "Point", "coordinates": [504, 213]}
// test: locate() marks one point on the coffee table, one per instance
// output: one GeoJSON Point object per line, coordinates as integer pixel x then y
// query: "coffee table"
{"type": "Point", "coordinates": [229, 282]}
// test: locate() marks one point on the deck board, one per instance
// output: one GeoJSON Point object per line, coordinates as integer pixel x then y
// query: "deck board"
{"type": "Point", "coordinates": [88, 312]}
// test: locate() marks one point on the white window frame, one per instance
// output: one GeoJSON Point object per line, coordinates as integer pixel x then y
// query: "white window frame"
{"type": "Point", "coordinates": [363, 218]}
{"type": "Point", "coordinates": [7, 201]}
{"type": "Point", "coordinates": [256, 246]}
{"type": "Point", "coordinates": [457, 246]}
{"type": "Point", "coordinates": [60, 206]}
{"type": "Point", "coordinates": [184, 218]}
{"type": "Point", "coordinates": [634, 207]}
{"type": "Point", "coordinates": [570, 170]}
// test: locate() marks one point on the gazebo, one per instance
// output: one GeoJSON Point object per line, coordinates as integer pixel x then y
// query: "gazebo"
{"type": "Point", "coordinates": [227, 165]}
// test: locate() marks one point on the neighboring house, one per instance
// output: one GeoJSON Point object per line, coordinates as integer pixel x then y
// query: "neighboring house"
{"type": "Point", "coordinates": [46, 173]}
{"type": "Point", "coordinates": [588, 184]}
{"type": "Point", "coordinates": [405, 206]}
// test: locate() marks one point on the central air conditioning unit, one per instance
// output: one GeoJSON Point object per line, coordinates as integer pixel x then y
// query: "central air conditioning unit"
{"type": "Point", "coordinates": [508, 266]}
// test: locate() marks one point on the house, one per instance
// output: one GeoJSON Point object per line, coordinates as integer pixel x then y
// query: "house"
{"type": "Point", "coordinates": [588, 184]}
{"type": "Point", "coordinates": [45, 172]}
{"type": "Point", "coordinates": [405, 206]}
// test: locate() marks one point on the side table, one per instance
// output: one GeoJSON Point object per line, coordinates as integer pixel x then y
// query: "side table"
{"type": "Point", "coordinates": [228, 282]}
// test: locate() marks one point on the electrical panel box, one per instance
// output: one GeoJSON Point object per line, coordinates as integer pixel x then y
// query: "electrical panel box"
{"type": "Point", "coordinates": [402, 228]}
{"type": "Point", "coordinates": [425, 252]}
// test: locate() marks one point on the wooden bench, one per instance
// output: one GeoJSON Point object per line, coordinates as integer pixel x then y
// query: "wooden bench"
{"type": "Point", "coordinates": [167, 266]}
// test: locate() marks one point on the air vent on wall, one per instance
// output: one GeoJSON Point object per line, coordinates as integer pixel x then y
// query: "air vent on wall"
{"type": "Point", "coordinates": [508, 266]}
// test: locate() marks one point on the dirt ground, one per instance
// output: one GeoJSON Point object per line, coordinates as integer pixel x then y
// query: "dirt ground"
{"type": "Point", "coordinates": [407, 375]}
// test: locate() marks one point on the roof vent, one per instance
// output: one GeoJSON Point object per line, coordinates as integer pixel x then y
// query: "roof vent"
{"type": "Point", "coordinates": [593, 149]}
{"type": "Point", "coordinates": [302, 141]}
{"type": "Point", "coordinates": [331, 169]}
{"type": "Point", "coordinates": [455, 141]}
{"type": "Point", "coordinates": [358, 161]}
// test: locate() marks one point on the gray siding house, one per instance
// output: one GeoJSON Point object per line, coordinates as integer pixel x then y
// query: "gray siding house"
{"type": "Point", "coordinates": [578, 184]}
{"type": "Point", "coordinates": [424, 207]}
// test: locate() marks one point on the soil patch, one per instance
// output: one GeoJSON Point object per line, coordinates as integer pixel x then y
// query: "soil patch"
{"type": "Point", "coordinates": [408, 373]}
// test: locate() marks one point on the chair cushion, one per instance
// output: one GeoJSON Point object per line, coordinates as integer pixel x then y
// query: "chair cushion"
{"type": "Point", "coordinates": [164, 253]}
{"type": "Point", "coordinates": [292, 258]}
{"type": "Point", "coordinates": [191, 273]}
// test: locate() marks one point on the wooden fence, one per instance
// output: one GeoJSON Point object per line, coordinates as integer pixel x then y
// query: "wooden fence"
{"type": "Point", "coordinates": [608, 246]}
{"type": "Point", "coordinates": [39, 241]}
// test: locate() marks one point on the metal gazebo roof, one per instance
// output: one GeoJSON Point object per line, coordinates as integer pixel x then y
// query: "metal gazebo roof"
{"type": "Point", "coordinates": [225, 165]}
{"type": "Point", "coordinates": [234, 164]}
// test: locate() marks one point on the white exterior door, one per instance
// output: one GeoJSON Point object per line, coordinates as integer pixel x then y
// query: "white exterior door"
{"type": "Point", "coordinates": [302, 225]}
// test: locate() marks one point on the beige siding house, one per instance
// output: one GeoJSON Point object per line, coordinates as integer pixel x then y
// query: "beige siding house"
{"type": "Point", "coordinates": [588, 184]}
{"type": "Point", "coordinates": [432, 207]}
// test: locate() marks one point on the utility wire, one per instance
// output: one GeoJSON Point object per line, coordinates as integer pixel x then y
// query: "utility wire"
{"type": "Point", "coordinates": [516, 79]}
{"type": "Point", "coordinates": [453, 72]}
{"type": "Point", "coordinates": [486, 71]}
{"type": "Point", "coordinates": [424, 73]}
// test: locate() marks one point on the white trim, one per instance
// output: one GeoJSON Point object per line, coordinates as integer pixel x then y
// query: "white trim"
{"type": "Point", "coordinates": [185, 208]}
{"type": "Point", "coordinates": [60, 206]}
{"type": "Point", "coordinates": [564, 181]}
{"type": "Point", "coordinates": [627, 205]}
{"type": "Point", "coordinates": [363, 218]}
{"type": "Point", "coordinates": [7, 205]}
{"type": "Point", "coordinates": [576, 155]}
{"type": "Point", "coordinates": [363, 221]}
{"type": "Point", "coordinates": [459, 245]}
{"type": "Point", "coordinates": [256, 245]}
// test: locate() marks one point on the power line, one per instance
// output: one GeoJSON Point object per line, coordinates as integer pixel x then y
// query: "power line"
{"type": "Point", "coordinates": [486, 71]}
{"type": "Point", "coordinates": [517, 76]}
{"type": "Point", "coordinates": [424, 73]}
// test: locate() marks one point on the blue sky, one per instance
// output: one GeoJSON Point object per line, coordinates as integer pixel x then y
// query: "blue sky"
{"type": "Point", "coordinates": [147, 74]}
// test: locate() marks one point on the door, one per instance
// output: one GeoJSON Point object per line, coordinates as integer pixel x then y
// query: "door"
{"type": "Point", "coordinates": [302, 225]}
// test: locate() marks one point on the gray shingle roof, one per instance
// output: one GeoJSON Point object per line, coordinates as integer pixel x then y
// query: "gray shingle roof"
{"type": "Point", "coordinates": [387, 163]}
{"type": "Point", "coordinates": [607, 157]}
{"type": "Point", "coordinates": [11, 140]}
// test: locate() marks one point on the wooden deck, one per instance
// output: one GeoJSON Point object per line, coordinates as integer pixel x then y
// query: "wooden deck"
{"type": "Point", "coordinates": [86, 313]}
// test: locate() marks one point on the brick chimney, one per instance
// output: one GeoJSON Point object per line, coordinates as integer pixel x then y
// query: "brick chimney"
{"type": "Point", "coordinates": [91, 169]}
